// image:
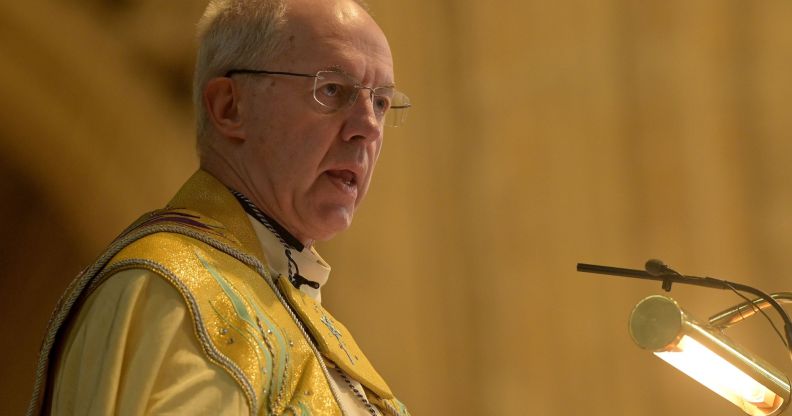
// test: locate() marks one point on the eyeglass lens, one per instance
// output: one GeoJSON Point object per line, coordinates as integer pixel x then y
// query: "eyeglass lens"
{"type": "Point", "coordinates": [335, 90]}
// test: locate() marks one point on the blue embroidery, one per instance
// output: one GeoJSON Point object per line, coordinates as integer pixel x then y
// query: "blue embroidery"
{"type": "Point", "coordinates": [242, 312]}
{"type": "Point", "coordinates": [336, 333]}
{"type": "Point", "coordinates": [283, 357]}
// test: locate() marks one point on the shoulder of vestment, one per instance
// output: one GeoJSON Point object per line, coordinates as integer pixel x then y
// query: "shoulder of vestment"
{"type": "Point", "coordinates": [239, 320]}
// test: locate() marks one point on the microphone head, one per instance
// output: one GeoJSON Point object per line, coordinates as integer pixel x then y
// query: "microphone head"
{"type": "Point", "coordinates": [656, 267]}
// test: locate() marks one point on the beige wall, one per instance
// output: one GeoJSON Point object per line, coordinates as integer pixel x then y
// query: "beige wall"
{"type": "Point", "coordinates": [543, 134]}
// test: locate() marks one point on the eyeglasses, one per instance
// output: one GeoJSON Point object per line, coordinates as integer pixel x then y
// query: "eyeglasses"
{"type": "Point", "coordinates": [336, 90]}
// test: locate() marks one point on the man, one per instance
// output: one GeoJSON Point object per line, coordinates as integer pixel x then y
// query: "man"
{"type": "Point", "coordinates": [212, 304]}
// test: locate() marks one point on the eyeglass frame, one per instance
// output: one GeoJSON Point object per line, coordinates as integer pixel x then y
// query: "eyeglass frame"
{"type": "Point", "coordinates": [358, 87]}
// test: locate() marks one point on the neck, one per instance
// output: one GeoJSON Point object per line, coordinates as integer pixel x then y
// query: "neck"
{"type": "Point", "coordinates": [227, 173]}
{"type": "Point", "coordinates": [286, 238]}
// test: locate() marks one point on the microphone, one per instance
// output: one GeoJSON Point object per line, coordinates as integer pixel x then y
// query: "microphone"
{"type": "Point", "coordinates": [656, 267]}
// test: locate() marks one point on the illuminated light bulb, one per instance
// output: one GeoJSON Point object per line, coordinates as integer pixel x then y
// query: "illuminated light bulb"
{"type": "Point", "coordinates": [722, 377]}
{"type": "Point", "coordinates": [659, 324]}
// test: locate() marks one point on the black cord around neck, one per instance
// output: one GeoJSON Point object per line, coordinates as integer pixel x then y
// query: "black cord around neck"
{"type": "Point", "coordinates": [288, 241]}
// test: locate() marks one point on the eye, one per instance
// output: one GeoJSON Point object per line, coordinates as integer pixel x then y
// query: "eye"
{"type": "Point", "coordinates": [381, 103]}
{"type": "Point", "coordinates": [331, 89]}
{"type": "Point", "coordinates": [334, 95]}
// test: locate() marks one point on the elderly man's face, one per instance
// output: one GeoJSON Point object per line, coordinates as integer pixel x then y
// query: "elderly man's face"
{"type": "Point", "coordinates": [307, 167]}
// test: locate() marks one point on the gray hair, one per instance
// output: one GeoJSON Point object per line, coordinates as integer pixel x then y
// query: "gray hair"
{"type": "Point", "coordinates": [235, 33]}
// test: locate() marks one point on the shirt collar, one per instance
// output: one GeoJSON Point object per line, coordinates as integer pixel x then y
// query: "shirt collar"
{"type": "Point", "coordinates": [311, 265]}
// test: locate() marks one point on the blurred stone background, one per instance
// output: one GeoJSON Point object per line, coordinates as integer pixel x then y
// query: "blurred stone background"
{"type": "Point", "coordinates": [543, 134]}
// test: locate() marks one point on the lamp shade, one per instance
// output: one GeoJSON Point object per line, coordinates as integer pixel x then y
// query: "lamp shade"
{"type": "Point", "coordinates": [659, 324]}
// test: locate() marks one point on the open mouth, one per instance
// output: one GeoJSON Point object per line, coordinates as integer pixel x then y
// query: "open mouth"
{"type": "Point", "coordinates": [347, 177]}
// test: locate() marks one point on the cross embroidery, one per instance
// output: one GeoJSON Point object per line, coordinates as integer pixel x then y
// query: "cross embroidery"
{"type": "Point", "coordinates": [337, 334]}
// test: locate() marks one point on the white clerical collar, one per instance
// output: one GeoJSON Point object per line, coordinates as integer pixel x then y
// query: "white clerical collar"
{"type": "Point", "coordinates": [308, 261]}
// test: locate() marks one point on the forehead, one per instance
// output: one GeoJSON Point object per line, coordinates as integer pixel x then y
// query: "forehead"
{"type": "Point", "coordinates": [327, 33]}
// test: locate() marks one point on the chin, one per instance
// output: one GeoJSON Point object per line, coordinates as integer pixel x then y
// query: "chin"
{"type": "Point", "coordinates": [331, 224]}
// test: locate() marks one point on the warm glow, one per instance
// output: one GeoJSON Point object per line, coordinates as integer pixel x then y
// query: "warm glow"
{"type": "Point", "coordinates": [722, 377]}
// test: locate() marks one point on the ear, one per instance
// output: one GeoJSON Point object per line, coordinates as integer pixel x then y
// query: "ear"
{"type": "Point", "coordinates": [221, 101]}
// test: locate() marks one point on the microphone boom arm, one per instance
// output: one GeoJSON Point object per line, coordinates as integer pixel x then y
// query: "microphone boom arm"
{"type": "Point", "coordinates": [667, 278]}
{"type": "Point", "coordinates": [672, 277]}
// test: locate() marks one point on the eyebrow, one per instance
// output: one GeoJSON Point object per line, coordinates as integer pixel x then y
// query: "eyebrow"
{"type": "Point", "coordinates": [341, 70]}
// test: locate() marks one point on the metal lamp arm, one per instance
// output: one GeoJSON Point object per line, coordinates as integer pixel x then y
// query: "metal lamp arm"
{"type": "Point", "coordinates": [737, 313]}
{"type": "Point", "coordinates": [671, 277]}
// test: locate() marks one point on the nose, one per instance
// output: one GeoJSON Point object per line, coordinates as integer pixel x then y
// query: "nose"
{"type": "Point", "coordinates": [362, 121]}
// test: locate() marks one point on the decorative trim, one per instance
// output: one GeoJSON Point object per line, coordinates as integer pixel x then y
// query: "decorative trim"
{"type": "Point", "coordinates": [77, 288]}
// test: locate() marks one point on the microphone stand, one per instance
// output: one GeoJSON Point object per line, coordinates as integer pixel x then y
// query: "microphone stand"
{"type": "Point", "coordinates": [662, 273]}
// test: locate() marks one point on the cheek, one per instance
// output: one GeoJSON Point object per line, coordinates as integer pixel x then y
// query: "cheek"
{"type": "Point", "coordinates": [377, 149]}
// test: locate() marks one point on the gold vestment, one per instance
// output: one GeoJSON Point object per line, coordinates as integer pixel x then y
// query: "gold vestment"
{"type": "Point", "coordinates": [275, 342]}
